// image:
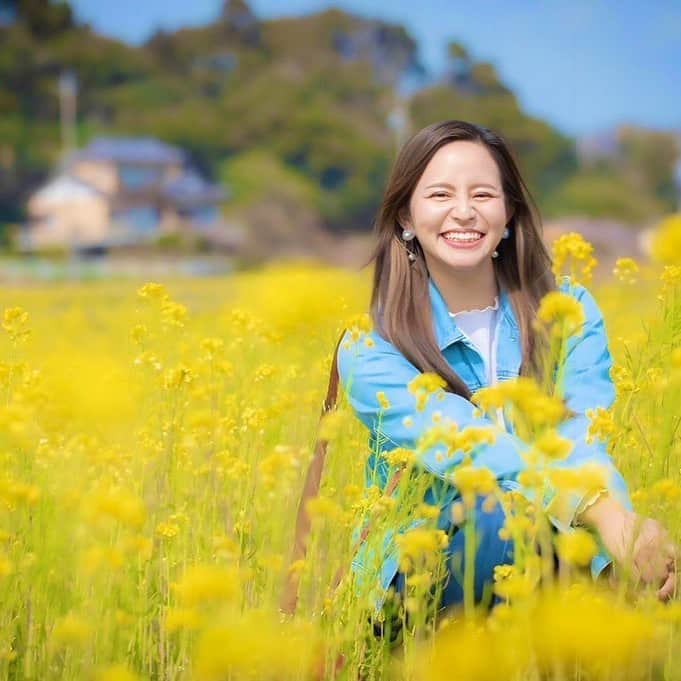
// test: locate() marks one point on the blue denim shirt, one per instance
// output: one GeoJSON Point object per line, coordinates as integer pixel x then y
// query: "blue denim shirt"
{"type": "Point", "coordinates": [365, 370]}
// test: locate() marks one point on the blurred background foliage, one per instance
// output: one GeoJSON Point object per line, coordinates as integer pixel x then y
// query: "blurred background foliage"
{"type": "Point", "coordinates": [298, 109]}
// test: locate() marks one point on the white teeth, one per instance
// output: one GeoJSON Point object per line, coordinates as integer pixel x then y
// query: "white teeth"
{"type": "Point", "coordinates": [463, 236]}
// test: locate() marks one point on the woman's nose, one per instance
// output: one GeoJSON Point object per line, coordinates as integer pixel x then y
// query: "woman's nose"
{"type": "Point", "coordinates": [462, 210]}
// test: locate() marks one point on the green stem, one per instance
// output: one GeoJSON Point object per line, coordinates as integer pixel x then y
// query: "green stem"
{"type": "Point", "coordinates": [469, 564]}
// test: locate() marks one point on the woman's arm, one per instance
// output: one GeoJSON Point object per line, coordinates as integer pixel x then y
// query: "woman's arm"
{"type": "Point", "coordinates": [364, 371]}
{"type": "Point", "coordinates": [584, 384]}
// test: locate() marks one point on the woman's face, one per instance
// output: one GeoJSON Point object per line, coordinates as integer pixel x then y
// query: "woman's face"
{"type": "Point", "coordinates": [457, 208]}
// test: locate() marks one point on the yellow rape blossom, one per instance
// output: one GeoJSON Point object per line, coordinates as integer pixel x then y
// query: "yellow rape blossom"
{"type": "Point", "coordinates": [70, 630]}
{"type": "Point", "coordinates": [420, 546]}
{"type": "Point", "coordinates": [400, 456]}
{"type": "Point", "coordinates": [117, 672]}
{"type": "Point", "coordinates": [358, 326]}
{"type": "Point", "coordinates": [665, 245]}
{"type": "Point", "coordinates": [152, 291]}
{"type": "Point", "coordinates": [255, 645]}
{"type": "Point", "coordinates": [551, 446]}
{"type": "Point", "coordinates": [576, 547]}
{"type": "Point", "coordinates": [14, 321]}
{"type": "Point", "coordinates": [562, 313]}
{"type": "Point", "coordinates": [207, 583]}
{"type": "Point", "coordinates": [601, 424]}
{"type": "Point", "coordinates": [382, 400]}
{"type": "Point", "coordinates": [423, 385]}
{"type": "Point", "coordinates": [472, 481]}
{"type": "Point", "coordinates": [626, 270]}
{"type": "Point", "coordinates": [573, 253]}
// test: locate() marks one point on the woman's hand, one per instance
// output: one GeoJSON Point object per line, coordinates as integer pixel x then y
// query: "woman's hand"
{"type": "Point", "coordinates": [640, 545]}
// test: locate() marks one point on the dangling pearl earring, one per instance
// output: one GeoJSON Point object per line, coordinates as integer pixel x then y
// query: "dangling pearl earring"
{"type": "Point", "coordinates": [506, 233]}
{"type": "Point", "coordinates": [408, 235]}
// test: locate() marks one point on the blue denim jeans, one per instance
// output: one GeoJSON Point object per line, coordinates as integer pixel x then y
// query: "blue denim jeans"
{"type": "Point", "coordinates": [490, 551]}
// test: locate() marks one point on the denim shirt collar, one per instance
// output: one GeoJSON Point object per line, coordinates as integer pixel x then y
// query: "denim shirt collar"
{"type": "Point", "coordinates": [446, 330]}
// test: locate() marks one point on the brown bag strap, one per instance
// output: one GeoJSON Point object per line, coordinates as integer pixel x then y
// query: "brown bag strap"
{"type": "Point", "coordinates": [311, 485]}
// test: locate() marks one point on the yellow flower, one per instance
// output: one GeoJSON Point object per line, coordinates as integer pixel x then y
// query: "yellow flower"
{"type": "Point", "coordinates": [400, 456]}
{"type": "Point", "coordinates": [152, 291]}
{"type": "Point", "coordinates": [359, 325]}
{"type": "Point", "coordinates": [296, 567]}
{"type": "Point", "coordinates": [93, 559]}
{"type": "Point", "coordinates": [623, 380]}
{"type": "Point", "coordinates": [626, 270]}
{"type": "Point", "coordinates": [14, 321]}
{"type": "Point", "coordinates": [423, 385]}
{"type": "Point", "coordinates": [70, 630]}
{"type": "Point", "coordinates": [139, 333]}
{"type": "Point", "coordinates": [665, 245]}
{"type": "Point", "coordinates": [576, 547]}
{"type": "Point", "coordinates": [666, 490]}
{"type": "Point", "coordinates": [420, 546]}
{"type": "Point", "coordinates": [382, 400]}
{"type": "Point", "coordinates": [471, 481]}
{"type": "Point", "coordinates": [601, 424]}
{"type": "Point", "coordinates": [670, 277]}
{"type": "Point", "coordinates": [589, 634]}
{"type": "Point", "coordinates": [167, 530]}
{"type": "Point", "coordinates": [6, 566]}
{"type": "Point", "coordinates": [118, 503]}
{"type": "Point", "coordinates": [562, 313]}
{"type": "Point", "coordinates": [117, 672]}
{"type": "Point", "coordinates": [528, 402]}
{"type": "Point", "coordinates": [431, 511]}
{"type": "Point", "coordinates": [573, 250]}
{"type": "Point", "coordinates": [207, 583]}
{"type": "Point", "coordinates": [322, 507]}
{"type": "Point", "coordinates": [177, 377]}
{"type": "Point", "coordinates": [255, 645]}
{"type": "Point", "coordinates": [212, 346]}
{"type": "Point", "coordinates": [552, 446]}
{"type": "Point", "coordinates": [511, 583]}
{"type": "Point", "coordinates": [589, 476]}
{"type": "Point", "coordinates": [263, 372]}
{"type": "Point", "coordinates": [172, 313]}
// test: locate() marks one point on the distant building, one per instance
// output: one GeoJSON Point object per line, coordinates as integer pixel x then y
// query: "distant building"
{"type": "Point", "coordinates": [123, 192]}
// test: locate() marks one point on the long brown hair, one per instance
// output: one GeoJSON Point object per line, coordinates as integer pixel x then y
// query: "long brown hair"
{"type": "Point", "coordinates": [400, 304]}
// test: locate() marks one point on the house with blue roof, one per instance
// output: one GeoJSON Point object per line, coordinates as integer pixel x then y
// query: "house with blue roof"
{"type": "Point", "coordinates": [118, 192]}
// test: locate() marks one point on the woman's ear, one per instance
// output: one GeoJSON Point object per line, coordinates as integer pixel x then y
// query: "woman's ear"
{"type": "Point", "coordinates": [404, 218]}
{"type": "Point", "coordinates": [510, 212]}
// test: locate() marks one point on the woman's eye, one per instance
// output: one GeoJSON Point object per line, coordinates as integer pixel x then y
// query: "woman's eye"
{"type": "Point", "coordinates": [478, 196]}
{"type": "Point", "coordinates": [439, 194]}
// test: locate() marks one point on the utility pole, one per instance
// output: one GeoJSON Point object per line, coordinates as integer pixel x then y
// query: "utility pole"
{"type": "Point", "coordinates": [68, 94]}
{"type": "Point", "coordinates": [398, 119]}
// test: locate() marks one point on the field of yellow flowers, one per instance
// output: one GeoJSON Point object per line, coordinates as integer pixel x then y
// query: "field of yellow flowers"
{"type": "Point", "coordinates": [153, 442]}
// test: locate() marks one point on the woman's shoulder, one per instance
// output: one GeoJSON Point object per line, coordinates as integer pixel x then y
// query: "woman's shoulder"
{"type": "Point", "coordinates": [365, 351]}
{"type": "Point", "coordinates": [582, 294]}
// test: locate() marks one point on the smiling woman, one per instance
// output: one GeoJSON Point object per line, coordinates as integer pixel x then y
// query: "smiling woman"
{"type": "Point", "coordinates": [457, 205]}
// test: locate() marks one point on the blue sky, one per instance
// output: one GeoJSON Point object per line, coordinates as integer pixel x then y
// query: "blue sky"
{"type": "Point", "coordinates": [583, 65]}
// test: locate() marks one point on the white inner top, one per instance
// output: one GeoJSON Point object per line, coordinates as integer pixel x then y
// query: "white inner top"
{"type": "Point", "coordinates": [478, 326]}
